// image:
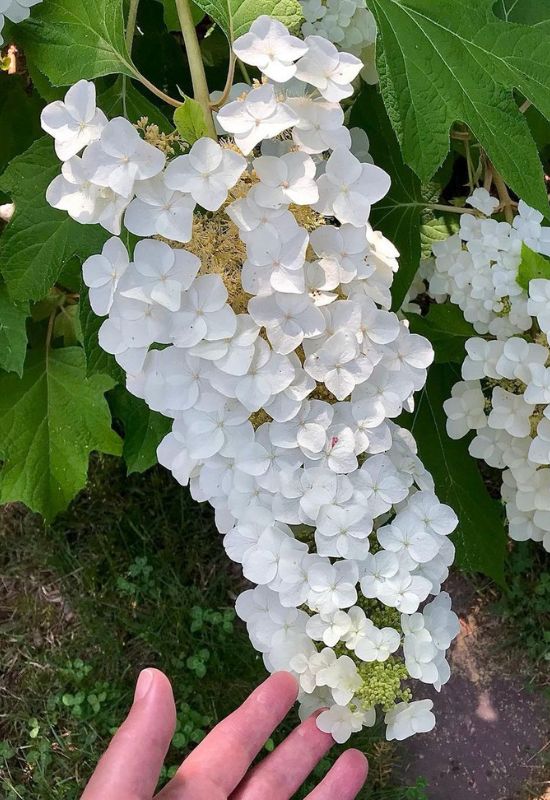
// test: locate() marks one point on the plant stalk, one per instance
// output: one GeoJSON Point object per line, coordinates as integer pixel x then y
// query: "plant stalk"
{"type": "Point", "coordinates": [129, 38]}
{"type": "Point", "coordinates": [229, 82]}
{"type": "Point", "coordinates": [504, 196]}
{"type": "Point", "coordinates": [196, 65]}
{"type": "Point", "coordinates": [131, 24]}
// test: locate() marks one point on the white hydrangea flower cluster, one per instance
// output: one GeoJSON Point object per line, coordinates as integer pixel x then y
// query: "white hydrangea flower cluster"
{"type": "Point", "coordinates": [348, 24]}
{"type": "Point", "coordinates": [505, 394]}
{"type": "Point", "coordinates": [15, 11]}
{"type": "Point", "coordinates": [278, 359]}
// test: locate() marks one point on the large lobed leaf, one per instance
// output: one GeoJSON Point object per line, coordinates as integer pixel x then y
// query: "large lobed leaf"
{"type": "Point", "coordinates": [20, 115]}
{"type": "Point", "coordinates": [50, 421]}
{"type": "Point", "coordinates": [449, 61]}
{"type": "Point", "coordinates": [143, 429]}
{"type": "Point", "coordinates": [480, 539]}
{"type": "Point", "coordinates": [39, 240]}
{"type": "Point", "coordinates": [13, 333]}
{"type": "Point", "coordinates": [72, 39]}
{"type": "Point", "coordinates": [236, 16]}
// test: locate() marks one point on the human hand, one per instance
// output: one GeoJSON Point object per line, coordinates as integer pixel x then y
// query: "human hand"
{"type": "Point", "coordinates": [218, 768]}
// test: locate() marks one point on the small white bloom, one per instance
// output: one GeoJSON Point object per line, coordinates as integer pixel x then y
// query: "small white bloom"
{"type": "Point", "coordinates": [347, 189]}
{"type": "Point", "coordinates": [159, 274]}
{"type": "Point", "coordinates": [342, 677]}
{"type": "Point", "coordinates": [260, 115]}
{"type": "Point", "coordinates": [538, 304]}
{"type": "Point", "coordinates": [465, 409]}
{"type": "Point", "coordinates": [75, 121]}
{"type": "Point", "coordinates": [157, 209]}
{"type": "Point", "coordinates": [482, 200]}
{"type": "Point", "coordinates": [85, 202]}
{"type": "Point", "coordinates": [341, 722]}
{"type": "Point", "coordinates": [288, 179]}
{"type": "Point", "coordinates": [319, 126]}
{"type": "Point", "coordinates": [269, 46]}
{"type": "Point", "coordinates": [287, 318]}
{"type": "Point", "coordinates": [102, 273]}
{"type": "Point", "coordinates": [328, 70]}
{"type": "Point", "coordinates": [406, 719]}
{"type": "Point", "coordinates": [203, 312]}
{"type": "Point", "coordinates": [207, 173]}
{"type": "Point", "coordinates": [377, 644]}
{"type": "Point", "coordinates": [120, 157]}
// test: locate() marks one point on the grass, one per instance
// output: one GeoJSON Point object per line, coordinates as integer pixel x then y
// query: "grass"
{"type": "Point", "coordinates": [133, 575]}
{"type": "Point", "coordinates": [524, 605]}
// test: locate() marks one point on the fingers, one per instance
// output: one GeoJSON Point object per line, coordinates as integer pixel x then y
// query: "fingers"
{"type": "Point", "coordinates": [344, 780]}
{"type": "Point", "coordinates": [221, 760]}
{"type": "Point", "coordinates": [131, 765]}
{"type": "Point", "coordinates": [284, 770]}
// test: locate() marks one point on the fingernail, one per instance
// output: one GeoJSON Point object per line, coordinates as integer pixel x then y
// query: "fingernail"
{"type": "Point", "coordinates": [144, 683]}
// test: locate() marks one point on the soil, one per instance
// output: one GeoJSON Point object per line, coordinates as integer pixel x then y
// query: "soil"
{"type": "Point", "coordinates": [493, 730]}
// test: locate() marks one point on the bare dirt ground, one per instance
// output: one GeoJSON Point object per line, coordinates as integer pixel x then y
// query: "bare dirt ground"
{"type": "Point", "coordinates": [493, 730]}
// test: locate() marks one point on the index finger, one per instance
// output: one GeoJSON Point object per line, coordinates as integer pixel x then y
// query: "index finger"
{"type": "Point", "coordinates": [224, 756]}
{"type": "Point", "coordinates": [131, 764]}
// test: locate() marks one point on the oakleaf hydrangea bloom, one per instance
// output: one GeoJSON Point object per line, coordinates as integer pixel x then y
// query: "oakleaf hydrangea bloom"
{"type": "Point", "coordinates": [269, 46]}
{"type": "Point", "coordinates": [75, 121]}
{"type": "Point", "coordinates": [504, 396]}
{"type": "Point", "coordinates": [15, 11]}
{"type": "Point", "coordinates": [260, 323]}
{"type": "Point", "coordinates": [348, 24]}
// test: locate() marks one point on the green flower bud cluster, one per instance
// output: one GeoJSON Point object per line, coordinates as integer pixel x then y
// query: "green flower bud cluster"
{"type": "Point", "coordinates": [382, 616]}
{"type": "Point", "coordinates": [382, 683]}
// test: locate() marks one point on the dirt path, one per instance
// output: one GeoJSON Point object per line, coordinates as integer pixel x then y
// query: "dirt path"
{"type": "Point", "coordinates": [491, 729]}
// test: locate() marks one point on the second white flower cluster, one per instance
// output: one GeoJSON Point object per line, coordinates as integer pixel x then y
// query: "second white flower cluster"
{"type": "Point", "coordinates": [505, 394]}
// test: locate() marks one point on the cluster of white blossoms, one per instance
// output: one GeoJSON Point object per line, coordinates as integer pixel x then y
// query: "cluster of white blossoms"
{"type": "Point", "coordinates": [348, 24]}
{"type": "Point", "coordinates": [269, 341]}
{"type": "Point", "coordinates": [15, 11]}
{"type": "Point", "coordinates": [505, 394]}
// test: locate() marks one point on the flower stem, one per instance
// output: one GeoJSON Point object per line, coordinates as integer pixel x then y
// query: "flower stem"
{"type": "Point", "coordinates": [196, 65]}
{"type": "Point", "coordinates": [131, 24]}
{"type": "Point", "coordinates": [504, 196]}
{"type": "Point", "coordinates": [244, 72]}
{"type": "Point", "coordinates": [156, 91]}
{"type": "Point", "coordinates": [451, 209]}
{"type": "Point", "coordinates": [228, 83]}
{"type": "Point", "coordinates": [129, 38]}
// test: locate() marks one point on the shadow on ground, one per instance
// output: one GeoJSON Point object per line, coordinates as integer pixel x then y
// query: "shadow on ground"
{"type": "Point", "coordinates": [491, 728]}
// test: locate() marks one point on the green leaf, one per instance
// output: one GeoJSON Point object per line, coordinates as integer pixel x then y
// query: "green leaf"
{"type": "Point", "coordinates": [72, 39]}
{"type": "Point", "coordinates": [98, 362]}
{"type": "Point", "coordinates": [446, 62]}
{"type": "Point", "coordinates": [190, 121]}
{"type": "Point", "coordinates": [20, 115]}
{"type": "Point", "coordinates": [13, 333]}
{"type": "Point", "coordinates": [532, 265]}
{"type": "Point", "coordinates": [437, 230]}
{"type": "Point", "coordinates": [143, 429]}
{"type": "Point", "coordinates": [39, 240]}
{"type": "Point", "coordinates": [122, 99]}
{"type": "Point", "coordinates": [529, 12]}
{"type": "Point", "coordinates": [171, 18]}
{"type": "Point", "coordinates": [50, 421]}
{"type": "Point", "coordinates": [480, 539]}
{"type": "Point", "coordinates": [447, 330]}
{"type": "Point", "coordinates": [398, 215]}
{"type": "Point", "coordinates": [67, 326]}
{"type": "Point", "coordinates": [236, 16]}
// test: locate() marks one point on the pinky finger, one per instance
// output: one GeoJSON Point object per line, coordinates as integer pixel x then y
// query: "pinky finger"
{"type": "Point", "coordinates": [344, 780]}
